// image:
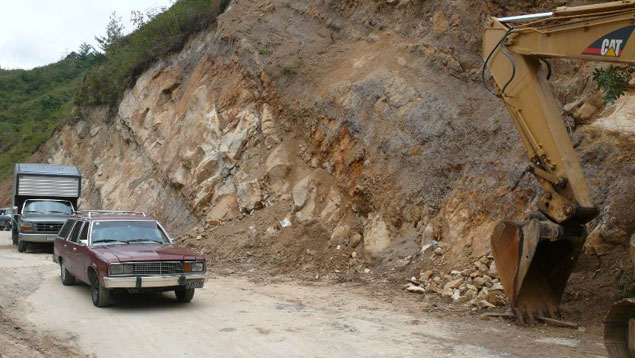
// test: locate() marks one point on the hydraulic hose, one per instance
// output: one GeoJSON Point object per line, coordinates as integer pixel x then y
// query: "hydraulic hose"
{"type": "Point", "coordinates": [489, 57]}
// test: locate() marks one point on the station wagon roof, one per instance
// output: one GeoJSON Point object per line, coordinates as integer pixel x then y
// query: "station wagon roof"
{"type": "Point", "coordinates": [113, 215]}
{"type": "Point", "coordinates": [121, 218]}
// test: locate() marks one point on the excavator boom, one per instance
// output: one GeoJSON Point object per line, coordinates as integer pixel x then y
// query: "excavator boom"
{"type": "Point", "coordinates": [535, 258]}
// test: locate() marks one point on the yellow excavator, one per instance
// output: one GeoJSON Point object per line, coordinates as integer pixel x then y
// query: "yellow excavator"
{"type": "Point", "coordinates": [535, 258]}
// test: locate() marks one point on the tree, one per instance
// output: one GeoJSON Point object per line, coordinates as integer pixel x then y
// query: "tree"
{"type": "Point", "coordinates": [85, 49]}
{"type": "Point", "coordinates": [137, 18]}
{"type": "Point", "coordinates": [114, 33]}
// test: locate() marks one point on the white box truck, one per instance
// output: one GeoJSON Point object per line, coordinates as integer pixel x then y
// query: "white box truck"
{"type": "Point", "coordinates": [44, 196]}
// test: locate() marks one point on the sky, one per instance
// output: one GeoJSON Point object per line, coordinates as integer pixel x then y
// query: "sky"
{"type": "Point", "coordinates": [38, 32]}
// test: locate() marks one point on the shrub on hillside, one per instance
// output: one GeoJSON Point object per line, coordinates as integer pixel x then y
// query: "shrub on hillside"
{"type": "Point", "coordinates": [34, 102]}
{"type": "Point", "coordinates": [131, 55]}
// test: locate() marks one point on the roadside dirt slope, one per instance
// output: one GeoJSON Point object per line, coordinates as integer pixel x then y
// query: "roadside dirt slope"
{"type": "Point", "coordinates": [340, 138]}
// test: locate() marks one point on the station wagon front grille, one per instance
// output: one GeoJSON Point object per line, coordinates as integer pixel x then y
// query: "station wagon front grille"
{"type": "Point", "coordinates": [157, 268]}
{"type": "Point", "coordinates": [48, 227]}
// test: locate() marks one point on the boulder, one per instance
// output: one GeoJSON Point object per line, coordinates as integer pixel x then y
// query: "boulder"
{"type": "Point", "coordinates": [454, 283]}
{"type": "Point", "coordinates": [268, 126]}
{"type": "Point", "coordinates": [225, 204]}
{"type": "Point", "coordinates": [414, 288]}
{"type": "Point", "coordinates": [585, 112]}
{"type": "Point", "coordinates": [302, 191]}
{"type": "Point", "coordinates": [483, 304]}
{"type": "Point", "coordinates": [205, 192]}
{"type": "Point", "coordinates": [376, 235]}
{"type": "Point", "coordinates": [82, 129]}
{"type": "Point", "coordinates": [278, 167]}
{"type": "Point", "coordinates": [426, 275]}
{"type": "Point", "coordinates": [355, 240]}
{"type": "Point", "coordinates": [249, 195]}
{"type": "Point", "coordinates": [304, 194]}
{"type": "Point", "coordinates": [178, 177]}
{"type": "Point", "coordinates": [447, 292]}
{"type": "Point", "coordinates": [209, 167]}
{"type": "Point", "coordinates": [433, 287]}
{"type": "Point", "coordinates": [233, 143]}
{"type": "Point", "coordinates": [478, 282]}
{"type": "Point", "coordinates": [331, 211]}
{"type": "Point", "coordinates": [340, 234]}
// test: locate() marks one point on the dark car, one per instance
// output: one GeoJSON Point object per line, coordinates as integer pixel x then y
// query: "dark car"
{"type": "Point", "coordinates": [5, 219]}
{"type": "Point", "coordinates": [125, 251]}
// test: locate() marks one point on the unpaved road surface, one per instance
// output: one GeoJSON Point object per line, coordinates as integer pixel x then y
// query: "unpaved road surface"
{"type": "Point", "coordinates": [236, 317]}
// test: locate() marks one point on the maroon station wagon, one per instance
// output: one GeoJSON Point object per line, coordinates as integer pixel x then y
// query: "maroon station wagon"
{"type": "Point", "coordinates": [130, 251]}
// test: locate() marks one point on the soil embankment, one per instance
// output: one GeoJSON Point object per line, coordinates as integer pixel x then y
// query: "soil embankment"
{"type": "Point", "coordinates": [338, 139]}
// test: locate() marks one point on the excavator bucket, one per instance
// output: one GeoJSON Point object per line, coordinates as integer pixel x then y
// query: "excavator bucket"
{"type": "Point", "coordinates": [532, 269]}
{"type": "Point", "coordinates": [619, 330]}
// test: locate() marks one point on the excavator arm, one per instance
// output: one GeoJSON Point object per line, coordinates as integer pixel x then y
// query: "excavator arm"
{"type": "Point", "coordinates": [536, 258]}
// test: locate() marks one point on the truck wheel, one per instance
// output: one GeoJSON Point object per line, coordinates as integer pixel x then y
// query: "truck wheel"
{"type": "Point", "coordinates": [67, 278]}
{"type": "Point", "coordinates": [22, 246]}
{"type": "Point", "coordinates": [184, 295]}
{"type": "Point", "coordinates": [100, 295]}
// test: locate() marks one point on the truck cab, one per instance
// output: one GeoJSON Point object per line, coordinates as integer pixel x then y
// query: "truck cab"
{"type": "Point", "coordinates": [44, 196]}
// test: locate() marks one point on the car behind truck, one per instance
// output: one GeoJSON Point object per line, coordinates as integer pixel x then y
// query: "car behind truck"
{"type": "Point", "coordinates": [5, 219]}
{"type": "Point", "coordinates": [44, 196]}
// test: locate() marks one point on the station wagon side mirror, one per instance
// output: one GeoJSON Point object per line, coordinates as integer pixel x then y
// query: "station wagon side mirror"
{"type": "Point", "coordinates": [83, 242]}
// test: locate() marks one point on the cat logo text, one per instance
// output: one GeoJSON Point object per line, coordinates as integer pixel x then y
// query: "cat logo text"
{"type": "Point", "coordinates": [612, 44]}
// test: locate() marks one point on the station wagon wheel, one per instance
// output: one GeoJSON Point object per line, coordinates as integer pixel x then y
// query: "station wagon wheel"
{"type": "Point", "coordinates": [99, 295]}
{"type": "Point", "coordinates": [67, 278]}
{"type": "Point", "coordinates": [184, 295]}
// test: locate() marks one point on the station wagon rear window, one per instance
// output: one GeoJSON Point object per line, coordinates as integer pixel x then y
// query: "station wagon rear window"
{"type": "Point", "coordinates": [66, 228]}
{"type": "Point", "coordinates": [126, 232]}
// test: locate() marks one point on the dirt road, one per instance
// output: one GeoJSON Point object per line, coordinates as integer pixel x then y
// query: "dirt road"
{"type": "Point", "coordinates": [235, 317]}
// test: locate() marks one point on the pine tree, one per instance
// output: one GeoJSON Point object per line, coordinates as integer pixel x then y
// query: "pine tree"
{"type": "Point", "coordinates": [114, 32]}
{"type": "Point", "coordinates": [85, 49]}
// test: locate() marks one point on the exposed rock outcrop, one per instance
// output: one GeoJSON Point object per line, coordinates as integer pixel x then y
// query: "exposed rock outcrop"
{"type": "Point", "coordinates": [361, 123]}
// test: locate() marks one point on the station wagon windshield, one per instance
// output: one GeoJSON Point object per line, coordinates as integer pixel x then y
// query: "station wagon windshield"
{"type": "Point", "coordinates": [47, 207]}
{"type": "Point", "coordinates": [113, 232]}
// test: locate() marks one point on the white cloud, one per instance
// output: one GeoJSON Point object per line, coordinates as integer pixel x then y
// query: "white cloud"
{"type": "Point", "coordinates": [38, 32]}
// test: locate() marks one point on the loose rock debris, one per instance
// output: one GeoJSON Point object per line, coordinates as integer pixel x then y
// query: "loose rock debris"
{"type": "Point", "coordinates": [478, 286]}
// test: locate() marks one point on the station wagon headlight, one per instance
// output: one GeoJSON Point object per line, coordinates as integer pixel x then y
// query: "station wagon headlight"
{"type": "Point", "coordinates": [198, 266]}
{"type": "Point", "coordinates": [120, 269]}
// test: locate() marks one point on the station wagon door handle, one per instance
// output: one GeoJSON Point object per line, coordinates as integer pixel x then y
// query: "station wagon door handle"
{"type": "Point", "coordinates": [74, 249]}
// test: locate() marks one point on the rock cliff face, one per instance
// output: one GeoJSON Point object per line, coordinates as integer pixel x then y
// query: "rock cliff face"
{"type": "Point", "coordinates": [364, 124]}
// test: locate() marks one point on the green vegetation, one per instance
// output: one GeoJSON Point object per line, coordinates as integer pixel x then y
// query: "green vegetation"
{"type": "Point", "coordinates": [33, 103]}
{"type": "Point", "coordinates": [127, 57]}
{"type": "Point", "coordinates": [612, 81]}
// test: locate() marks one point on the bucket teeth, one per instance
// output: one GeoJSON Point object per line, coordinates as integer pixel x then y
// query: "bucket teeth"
{"type": "Point", "coordinates": [534, 270]}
